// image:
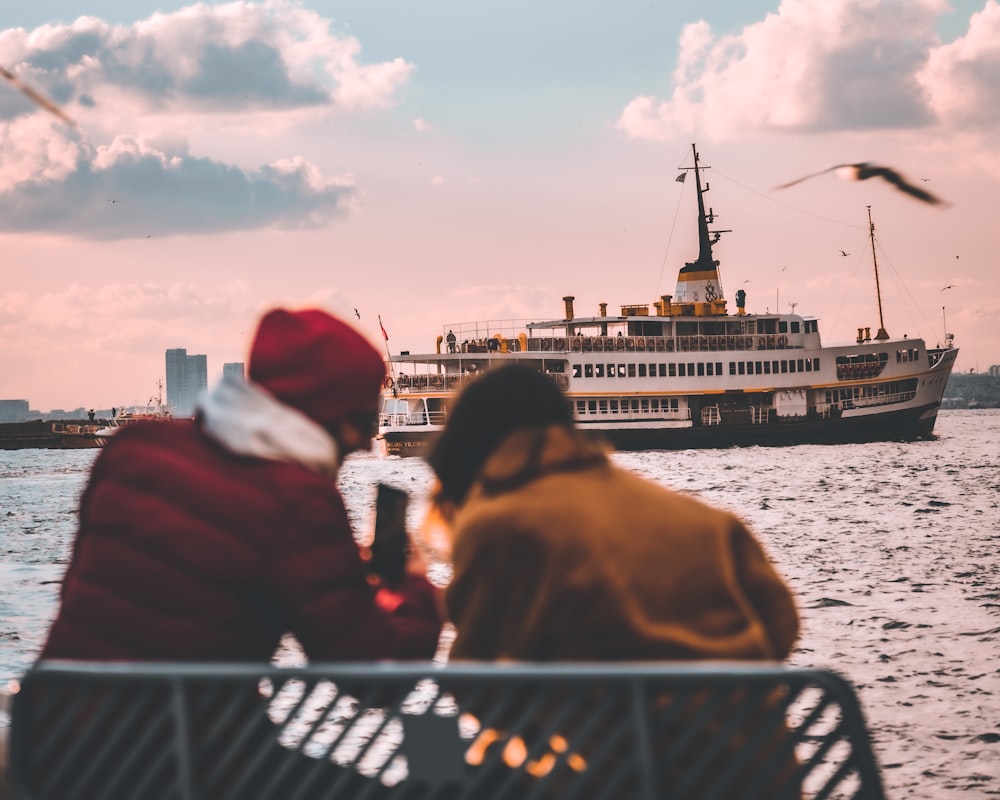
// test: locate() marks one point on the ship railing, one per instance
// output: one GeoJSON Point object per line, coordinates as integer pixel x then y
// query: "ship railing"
{"type": "Point", "coordinates": [425, 383]}
{"type": "Point", "coordinates": [491, 345]}
{"type": "Point", "coordinates": [934, 356]}
{"type": "Point", "coordinates": [877, 400]}
{"type": "Point", "coordinates": [656, 344]}
{"type": "Point", "coordinates": [859, 370]}
{"type": "Point", "coordinates": [407, 419]}
{"type": "Point", "coordinates": [760, 415]}
{"type": "Point", "coordinates": [393, 420]}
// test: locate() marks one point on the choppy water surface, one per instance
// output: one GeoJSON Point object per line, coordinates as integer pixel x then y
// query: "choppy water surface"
{"type": "Point", "coordinates": [891, 549]}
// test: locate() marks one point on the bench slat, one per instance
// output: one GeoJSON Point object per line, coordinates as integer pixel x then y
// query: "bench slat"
{"type": "Point", "coordinates": [427, 732]}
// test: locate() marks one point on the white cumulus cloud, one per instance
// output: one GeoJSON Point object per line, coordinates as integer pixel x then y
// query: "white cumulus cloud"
{"type": "Point", "coordinates": [962, 78]}
{"type": "Point", "coordinates": [137, 89]}
{"type": "Point", "coordinates": [828, 65]}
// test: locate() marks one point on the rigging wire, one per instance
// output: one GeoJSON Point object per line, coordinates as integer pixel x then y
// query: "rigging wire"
{"type": "Point", "coordinates": [861, 250]}
{"type": "Point", "coordinates": [785, 205]}
{"type": "Point", "coordinates": [906, 289]}
{"type": "Point", "coordinates": [670, 238]}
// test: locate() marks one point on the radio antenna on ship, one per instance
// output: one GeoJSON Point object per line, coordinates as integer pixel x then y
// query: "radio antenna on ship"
{"type": "Point", "coordinates": [882, 334]}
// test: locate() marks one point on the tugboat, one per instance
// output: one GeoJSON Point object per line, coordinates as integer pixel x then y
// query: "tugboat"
{"type": "Point", "coordinates": [684, 372]}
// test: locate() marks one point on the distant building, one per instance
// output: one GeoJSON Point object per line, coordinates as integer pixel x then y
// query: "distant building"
{"type": "Point", "coordinates": [187, 378]}
{"type": "Point", "coordinates": [64, 413]}
{"type": "Point", "coordinates": [13, 410]}
{"type": "Point", "coordinates": [235, 369]}
{"type": "Point", "coordinates": [995, 371]}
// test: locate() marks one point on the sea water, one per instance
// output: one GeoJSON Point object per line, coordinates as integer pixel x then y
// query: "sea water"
{"type": "Point", "coordinates": [892, 550]}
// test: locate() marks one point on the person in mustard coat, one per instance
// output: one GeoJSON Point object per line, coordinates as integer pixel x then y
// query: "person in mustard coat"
{"type": "Point", "coordinates": [560, 555]}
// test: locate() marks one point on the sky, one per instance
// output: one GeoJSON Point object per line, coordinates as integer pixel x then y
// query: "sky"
{"type": "Point", "coordinates": [438, 162]}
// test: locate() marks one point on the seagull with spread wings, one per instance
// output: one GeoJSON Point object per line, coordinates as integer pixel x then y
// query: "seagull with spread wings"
{"type": "Point", "coordinates": [863, 171]}
{"type": "Point", "coordinates": [44, 102]}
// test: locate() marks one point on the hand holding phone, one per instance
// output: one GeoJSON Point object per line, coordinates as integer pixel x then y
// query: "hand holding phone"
{"type": "Point", "coordinates": [390, 547]}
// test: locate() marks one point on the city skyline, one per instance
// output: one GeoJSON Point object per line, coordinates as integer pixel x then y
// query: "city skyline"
{"type": "Point", "coordinates": [429, 164]}
{"type": "Point", "coordinates": [236, 369]}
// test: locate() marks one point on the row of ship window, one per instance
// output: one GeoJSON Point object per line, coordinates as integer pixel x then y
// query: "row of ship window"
{"type": "Point", "coordinates": [626, 405]}
{"type": "Point", "coordinates": [701, 368]}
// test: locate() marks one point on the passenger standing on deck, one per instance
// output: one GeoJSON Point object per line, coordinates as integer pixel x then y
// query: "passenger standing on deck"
{"type": "Point", "coordinates": [560, 555]}
{"type": "Point", "coordinates": [207, 539]}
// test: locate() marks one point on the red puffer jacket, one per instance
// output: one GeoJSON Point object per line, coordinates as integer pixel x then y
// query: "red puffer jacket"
{"type": "Point", "coordinates": [190, 551]}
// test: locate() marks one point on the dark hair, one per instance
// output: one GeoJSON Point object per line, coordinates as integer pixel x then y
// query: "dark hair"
{"type": "Point", "coordinates": [488, 410]}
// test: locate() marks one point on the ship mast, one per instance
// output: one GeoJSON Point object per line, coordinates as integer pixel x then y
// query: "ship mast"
{"type": "Point", "coordinates": [705, 259]}
{"type": "Point", "coordinates": [882, 334]}
{"type": "Point", "coordinates": [698, 280]}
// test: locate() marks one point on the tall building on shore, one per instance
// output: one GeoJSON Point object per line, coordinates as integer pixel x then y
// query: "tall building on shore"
{"type": "Point", "coordinates": [234, 369]}
{"type": "Point", "coordinates": [13, 410]}
{"type": "Point", "coordinates": [187, 378]}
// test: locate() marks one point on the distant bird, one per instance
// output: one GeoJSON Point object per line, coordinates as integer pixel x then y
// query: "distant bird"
{"type": "Point", "coordinates": [357, 314]}
{"type": "Point", "coordinates": [949, 286]}
{"type": "Point", "coordinates": [45, 103]}
{"type": "Point", "coordinates": [863, 171]}
{"type": "Point", "coordinates": [844, 253]}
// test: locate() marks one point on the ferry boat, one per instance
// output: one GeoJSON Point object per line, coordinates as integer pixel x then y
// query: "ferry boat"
{"type": "Point", "coordinates": [684, 372]}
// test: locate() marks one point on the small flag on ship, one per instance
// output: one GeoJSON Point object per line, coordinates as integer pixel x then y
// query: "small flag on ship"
{"type": "Point", "coordinates": [680, 178]}
{"type": "Point", "coordinates": [384, 334]}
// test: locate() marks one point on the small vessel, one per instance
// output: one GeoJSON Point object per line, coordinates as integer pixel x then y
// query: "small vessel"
{"type": "Point", "coordinates": [684, 372]}
{"type": "Point", "coordinates": [152, 411]}
{"type": "Point", "coordinates": [77, 434]}
{"type": "Point", "coordinates": [52, 435]}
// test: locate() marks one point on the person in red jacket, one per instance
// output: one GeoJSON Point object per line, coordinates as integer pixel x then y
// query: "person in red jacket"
{"type": "Point", "coordinates": [207, 539]}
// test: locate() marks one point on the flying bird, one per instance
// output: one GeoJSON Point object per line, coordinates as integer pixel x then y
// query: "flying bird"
{"type": "Point", "coordinates": [357, 314]}
{"type": "Point", "coordinates": [863, 171]}
{"type": "Point", "coordinates": [949, 286]}
{"type": "Point", "coordinates": [45, 103]}
{"type": "Point", "coordinates": [844, 253]}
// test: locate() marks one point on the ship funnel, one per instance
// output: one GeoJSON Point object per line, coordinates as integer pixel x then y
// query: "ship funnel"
{"type": "Point", "coordinates": [604, 309]}
{"type": "Point", "coordinates": [568, 300]}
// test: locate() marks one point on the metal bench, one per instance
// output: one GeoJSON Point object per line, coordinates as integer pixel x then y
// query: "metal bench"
{"type": "Point", "coordinates": [426, 732]}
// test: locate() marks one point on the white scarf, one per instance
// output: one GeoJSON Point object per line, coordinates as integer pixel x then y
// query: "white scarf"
{"type": "Point", "coordinates": [246, 419]}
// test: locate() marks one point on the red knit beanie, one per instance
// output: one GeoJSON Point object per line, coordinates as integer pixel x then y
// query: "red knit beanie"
{"type": "Point", "coordinates": [315, 363]}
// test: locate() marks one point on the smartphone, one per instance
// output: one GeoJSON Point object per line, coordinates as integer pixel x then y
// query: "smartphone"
{"type": "Point", "coordinates": [390, 548]}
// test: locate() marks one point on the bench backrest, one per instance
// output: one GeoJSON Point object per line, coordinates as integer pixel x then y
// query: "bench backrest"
{"type": "Point", "coordinates": [426, 732]}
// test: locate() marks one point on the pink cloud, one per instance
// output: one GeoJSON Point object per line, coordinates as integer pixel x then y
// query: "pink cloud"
{"type": "Point", "coordinates": [812, 66]}
{"type": "Point", "coordinates": [962, 78]}
{"type": "Point", "coordinates": [139, 91]}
